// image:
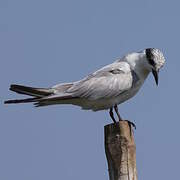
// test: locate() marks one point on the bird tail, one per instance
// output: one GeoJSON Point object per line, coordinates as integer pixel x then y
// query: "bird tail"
{"type": "Point", "coordinates": [41, 96]}
{"type": "Point", "coordinates": [37, 93]}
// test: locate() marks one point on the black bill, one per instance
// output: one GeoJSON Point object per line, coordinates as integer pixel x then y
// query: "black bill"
{"type": "Point", "coordinates": [155, 74]}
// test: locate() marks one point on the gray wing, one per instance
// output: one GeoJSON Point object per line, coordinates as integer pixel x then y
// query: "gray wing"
{"type": "Point", "coordinates": [108, 82]}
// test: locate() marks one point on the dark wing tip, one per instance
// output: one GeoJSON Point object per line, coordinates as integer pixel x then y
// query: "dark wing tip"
{"type": "Point", "coordinates": [15, 101]}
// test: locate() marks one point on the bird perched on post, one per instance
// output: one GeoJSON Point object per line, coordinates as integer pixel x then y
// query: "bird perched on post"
{"type": "Point", "coordinates": [104, 89]}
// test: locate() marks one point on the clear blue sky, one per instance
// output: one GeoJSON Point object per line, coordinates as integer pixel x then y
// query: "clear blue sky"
{"type": "Point", "coordinates": [43, 43]}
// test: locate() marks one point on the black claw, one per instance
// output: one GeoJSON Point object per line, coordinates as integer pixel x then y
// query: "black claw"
{"type": "Point", "coordinates": [131, 124]}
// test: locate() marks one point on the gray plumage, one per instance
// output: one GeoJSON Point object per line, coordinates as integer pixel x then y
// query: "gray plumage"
{"type": "Point", "coordinates": [103, 89]}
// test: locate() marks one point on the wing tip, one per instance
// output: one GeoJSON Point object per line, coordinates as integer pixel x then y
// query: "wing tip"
{"type": "Point", "coordinates": [15, 101]}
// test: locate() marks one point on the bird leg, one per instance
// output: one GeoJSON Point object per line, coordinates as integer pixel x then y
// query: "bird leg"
{"type": "Point", "coordinates": [117, 112]}
{"type": "Point", "coordinates": [112, 115]}
{"type": "Point", "coordinates": [120, 119]}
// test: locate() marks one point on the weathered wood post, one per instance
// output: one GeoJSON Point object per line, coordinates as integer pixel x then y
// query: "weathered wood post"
{"type": "Point", "coordinates": [120, 151]}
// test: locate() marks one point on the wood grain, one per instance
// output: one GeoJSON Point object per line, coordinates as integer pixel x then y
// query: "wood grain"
{"type": "Point", "coordinates": [120, 151]}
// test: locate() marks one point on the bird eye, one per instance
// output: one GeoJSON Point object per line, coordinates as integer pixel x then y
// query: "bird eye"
{"type": "Point", "coordinates": [151, 62]}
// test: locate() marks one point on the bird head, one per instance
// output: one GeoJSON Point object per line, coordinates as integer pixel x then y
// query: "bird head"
{"type": "Point", "coordinates": [155, 61]}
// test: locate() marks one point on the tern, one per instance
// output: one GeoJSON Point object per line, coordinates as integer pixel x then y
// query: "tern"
{"type": "Point", "coordinates": [102, 90]}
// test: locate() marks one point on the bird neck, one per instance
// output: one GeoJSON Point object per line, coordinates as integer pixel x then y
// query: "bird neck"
{"type": "Point", "coordinates": [138, 63]}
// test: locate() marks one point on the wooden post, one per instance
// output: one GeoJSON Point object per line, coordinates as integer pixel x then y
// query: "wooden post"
{"type": "Point", "coordinates": [120, 151]}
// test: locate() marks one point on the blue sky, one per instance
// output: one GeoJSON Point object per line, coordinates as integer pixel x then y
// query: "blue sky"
{"type": "Point", "coordinates": [43, 43]}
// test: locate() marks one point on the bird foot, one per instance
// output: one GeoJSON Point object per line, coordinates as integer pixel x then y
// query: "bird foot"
{"type": "Point", "coordinates": [131, 124]}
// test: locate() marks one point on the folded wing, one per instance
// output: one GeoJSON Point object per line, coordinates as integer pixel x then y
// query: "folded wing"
{"type": "Point", "coordinates": [107, 82]}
